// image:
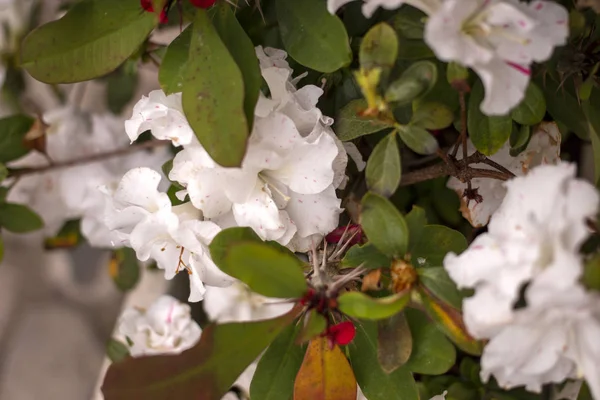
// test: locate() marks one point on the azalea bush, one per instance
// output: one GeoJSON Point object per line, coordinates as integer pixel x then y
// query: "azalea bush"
{"type": "Point", "coordinates": [371, 199]}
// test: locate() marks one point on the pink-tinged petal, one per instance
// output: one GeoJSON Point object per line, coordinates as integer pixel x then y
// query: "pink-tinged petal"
{"type": "Point", "coordinates": [504, 86]}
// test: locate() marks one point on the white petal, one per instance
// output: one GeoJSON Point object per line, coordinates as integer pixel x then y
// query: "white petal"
{"type": "Point", "coordinates": [334, 5]}
{"type": "Point", "coordinates": [314, 213]}
{"type": "Point", "coordinates": [261, 214]}
{"type": "Point", "coordinates": [505, 84]}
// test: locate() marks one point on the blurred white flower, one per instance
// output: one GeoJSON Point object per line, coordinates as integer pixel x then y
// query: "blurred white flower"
{"type": "Point", "coordinates": [166, 327]}
{"type": "Point", "coordinates": [499, 40]}
{"type": "Point", "coordinates": [163, 116]}
{"type": "Point", "coordinates": [237, 303]}
{"type": "Point", "coordinates": [532, 245]}
{"type": "Point", "coordinates": [543, 148]}
{"type": "Point", "coordinates": [370, 6]}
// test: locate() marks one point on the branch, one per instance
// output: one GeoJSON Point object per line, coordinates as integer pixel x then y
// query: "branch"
{"type": "Point", "coordinates": [17, 173]}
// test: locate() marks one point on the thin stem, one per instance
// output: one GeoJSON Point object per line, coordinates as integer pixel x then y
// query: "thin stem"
{"type": "Point", "coordinates": [499, 167]}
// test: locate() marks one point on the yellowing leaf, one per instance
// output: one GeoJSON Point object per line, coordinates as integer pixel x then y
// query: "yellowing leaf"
{"type": "Point", "coordinates": [359, 305]}
{"type": "Point", "coordinates": [325, 374]}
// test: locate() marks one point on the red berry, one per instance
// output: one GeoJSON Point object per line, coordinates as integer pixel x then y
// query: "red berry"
{"type": "Point", "coordinates": [203, 3]}
{"type": "Point", "coordinates": [147, 5]}
{"type": "Point", "coordinates": [342, 333]}
{"type": "Point", "coordinates": [354, 231]}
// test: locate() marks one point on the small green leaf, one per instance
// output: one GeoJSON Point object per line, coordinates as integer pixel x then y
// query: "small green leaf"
{"type": "Point", "coordinates": [278, 367]}
{"type": "Point", "coordinates": [394, 342]}
{"type": "Point", "coordinates": [437, 280]}
{"type": "Point", "coordinates": [366, 256]}
{"type": "Point", "coordinates": [432, 352]}
{"type": "Point", "coordinates": [379, 47]}
{"type": "Point", "coordinates": [434, 243]}
{"type": "Point", "coordinates": [488, 134]}
{"type": "Point", "coordinates": [116, 351]}
{"type": "Point", "coordinates": [69, 236]}
{"type": "Point", "coordinates": [350, 125]}
{"type": "Point", "coordinates": [120, 88]}
{"type": "Point", "coordinates": [384, 225]}
{"type": "Point", "coordinates": [591, 273]}
{"type": "Point", "coordinates": [519, 138]}
{"type": "Point", "coordinates": [360, 305]}
{"type": "Point", "coordinates": [18, 218]}
{"type": "Point", "coordinates": [409, 22]}
{"type": "Point", "coordinates": [312, 36]}
{"type": "Point", "coordinates": [91, 40]}
{"type": "Point", "coordinates": [12, 133]}
{"type": "Point", "coordinates": [171, 74]}
{"type": "Point", "coordinates": [265, 270]}
{"type": "Point", "coordinates": [456, 73]}
{"type": "Point", "coordinates": [213, 95]}
{"type": "Point", "coordinates": [563, 106]}
{"type": "Point", "coordinates": [470, 370]}
{"type": "Point", "coordinates": [204, 372]}
{"type": "Point", "coordinates": [383, 170]}
{"type": "Point", "coordinates": [430, 115]}
{"type": "Point", "coordinates": [416, 220]}
{"type": "Point", "coordinates": [532, 108]}
{"type": "Point", "coordinates": [415, 82]}
{"type": "Point", "coordinates": [125, 269]}
{"type": "Point", "coordinates": [373, 381]}
{"type": "Point", "coordinates": [3, 172]}
{"type": "Point", "coordinates": [313, 325]}
{"type": "Point", "coordinates": [418, 139]}
{"type": "Point", "coordinates": [462, 391]}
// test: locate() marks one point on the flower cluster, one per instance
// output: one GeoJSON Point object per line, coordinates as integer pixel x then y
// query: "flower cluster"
{"type": "Point", "coordinates": [498, 39]}
{"type": "Point", "coordinates": [542, 324]}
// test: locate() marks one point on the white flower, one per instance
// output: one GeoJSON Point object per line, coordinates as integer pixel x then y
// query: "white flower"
{"type": "Point", "coordinates": [163, 116]}
{"type": "Point", "coordinates": [237, 303]}
{"type": "Point", "coordinates": [532, 245]}
{"type": "Point", "coordinates": [498, 39]}
{"type": "Point", "coordinates": [370, 6]}
{"type": "Point", "coordinates": [166, 327]}
{"type": "Point", "coordinates": [174, 236]}
{"type": "Point", "coordinates": [543, 148]}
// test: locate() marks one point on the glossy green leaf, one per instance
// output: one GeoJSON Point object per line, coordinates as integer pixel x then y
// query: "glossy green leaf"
{"type": "Point", "coordinates": [277, 368]}
{"type": "Point", "coordinates": [360, 305]}
{"type": "Point", "coordinates": [519, 138]}
{"type": "Point", "coordinates": [312, 325]}
{"type": "Point", "coordinates": [373, 381]}
{"type": "Point", "coordinates": [18, 218]}
{"type": "Point", "coordinates": [91, 40]}
{"type": "Point", "coordinates": [384, 225]}
{"type": "Point", "coordinates": [12, 133]}
{"type": "Point", "coordinates": [366, 256]}
{"type": "Point", "coordinates": [116, 351]}
{"type": "Point", "coordinates": [437, 280]}
{"type": "Point", "coordinates": [171, 74]}
{"type": "Point", "coordinates": [350, 125]}
{"type": "Point", "coordinates": [242, 50]}
{"type": "Point", "coordinates": [430, 115]}
{"type": "Point", "coordinates": [125, 269]}
{"type": "Point", "coordinates": [379, 47]}
{"type": "Point", "coordinates": [204, 372]}
{"type": "Point", "coordinates": [415, 82]}
{"type": "Point", "coordinates": [312, 36]}
{"type": "Point", "coordinates": [230, 236]}
{"type": "Point", "coordinates": [488, 134]}
{"type": "Point", "coordinates": [383, 170]}
{"type": "Point", "coordinates": [120, 88]}
{"type": "Point", "coordinates": [434, 243]}
{"type": "Point", "coordinates": [432, 352]}
{"type": "Point", "coordinates": [213, 95]}
{"type": "Point", "coordinates": [418, 139]}
{"type": "Point", "coordinates": [416, 220]}
{"type": "Point", "coordinates": [265, 270]}
{"type": "Point", "coordinates": [394, 342]}
{"type": "Point", "coordinates": [532, 108]}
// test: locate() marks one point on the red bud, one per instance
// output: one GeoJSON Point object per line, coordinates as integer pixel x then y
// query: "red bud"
{"type": "Point", "coordinates": [147, 5]}
{"type": "Point", "coordinates": [336, 235]}
{"type": "Point", "coordinates": [202, 3]}
{"type": "Point", "coordinates": [342, 333]}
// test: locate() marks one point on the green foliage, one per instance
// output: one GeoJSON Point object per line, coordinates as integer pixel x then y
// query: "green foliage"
{"type": "Point", "coordinates": [384, 225]}
{"type": "Point", "coordinates": [394, 342]}
{"type": "Point", "coordinates": [171, 74]}
{"type": "Point", "coordinates": [366, 256]}
{"type": "Point", "coordinates": [591, 273]}
{"type": "Point", "coordinates": [91, 40]}
{"type": "Point", "coordinates": [68, 236]}
{"type": "Point", "coordinates": [360, 305]}
{"type": "Point", "coordinates": [379, 47]}
{"type": "Point", "coordinates": [416, 220]}
{"type": "Point", "coordinates": [18, 218]}
{"type": "Point", "coordinates": [383, 170]}
{"type": "Point", "coordinates": [532, 108]}
{"type": "Point", "coordinates": [125, 269]}
{"type": "Point", "coordinates": [415, 82]}
{"type": "Point", "coordinates": [351, 125]}
{"type": "Point", "coordinates": [488, 134]}
{"type": "Point", "coordinates": [116, 351]}
{"type": "Point", "coordinates": [418, 139]}
{"type": "Point", "coordinates": [121, 86]}
{"type": "Point", "coordinates": [430, 115]}
{"type": "Point", "coordinates": [313, 325]}
{"type": "Point", "coordinates": [519, 139]}
{"type": "Point", "coordinates": [12, 133]}
{"type": "Point", "coordinates": [312, 36]}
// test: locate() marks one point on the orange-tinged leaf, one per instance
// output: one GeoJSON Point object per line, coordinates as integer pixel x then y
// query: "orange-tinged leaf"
{"type": "Point", "coordinates": [325, 374]}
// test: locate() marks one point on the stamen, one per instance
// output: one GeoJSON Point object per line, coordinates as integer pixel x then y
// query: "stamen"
{"type": "Point", "coordinates": [273, 187]}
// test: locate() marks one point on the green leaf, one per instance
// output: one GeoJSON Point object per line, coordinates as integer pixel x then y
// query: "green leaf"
{"type": "Point", "coordinates": [360, 305]}
{"type": "Point", "coordinates": [69, 236]}
{"type": "Point", "coordinates": [120, 87]}
{"type": "Point", "coordinates": [373, 381]}
{"type": "Point", "coordinates": [415, 82]}
{"type": "Point", "coordinates": [532, 108]}
{"type": "Point", "coordinates": [12, 133]}
{"type": "Point", "coordinates": [383, 170]}
{"type": "Point", "coordinates": [416, 220]}
{"type": "Point", "coordinates": [462, 391]}
{"type": "Point", "coordinates": [488, 134]}
{"type": "Point", "coordinates": [277, 368]}
{"type": "Point", "coordinates": [519, 138]}
{"type": "Point", "coordinates": [125, 269]}
{"type": "Point", "coordinates": [430, 115]}
{"type": "Point", "coordinates": [409, 22]}
{"type": "Point", "coordinates": [313, 325]}
{"type": "Point", "coordinates": [18, 218]}
{"type": "Point", "coordinates": [437, 280]}
{"type": "Point", "coordinates": [91, 40]}
{"type": "Point", "coordinates": [226, 238]}
{"type": "Point", "coordinates": [413, 49]}
{"type": "Point", "coordinates": [116, 351]}
{"type": "Point", "coordinates": [384, 225]}
{"type": "Point", "coordinates": [204, 372]}
{"type": "Point", "coordinates": [3, 172]}
{"type": "Point", "coordinates": [171, 74]}
{"type": "Point", "coordinates": [418, 139]}
{"type": "Point", "coordinates": [350, 125]}
{"type": "Point", "coordinates": [379, 47]}
{"type": "Point", "coordinates": [394, 342]}
{"type": "Point", "coordinates": [312, 36]}
{"type": "Point", "coordinates": [366, 256]}
{"type": "Point", "coordinates": [242, 50]}
{"type": "Point", "coordinates": [590, 109]}
{"type": "Point", "coordinates": [213, 95]}
{"type": "Point", "coordinates": [470, 370]}
{"type": "Point", "coordinates": [591, 273]}
{"type": "Point", "coordinates": [265, 270]}
{"type": "Point", "coordinates": [432, 353]}
{"type": "Point", "coordinates": [434, 243]}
